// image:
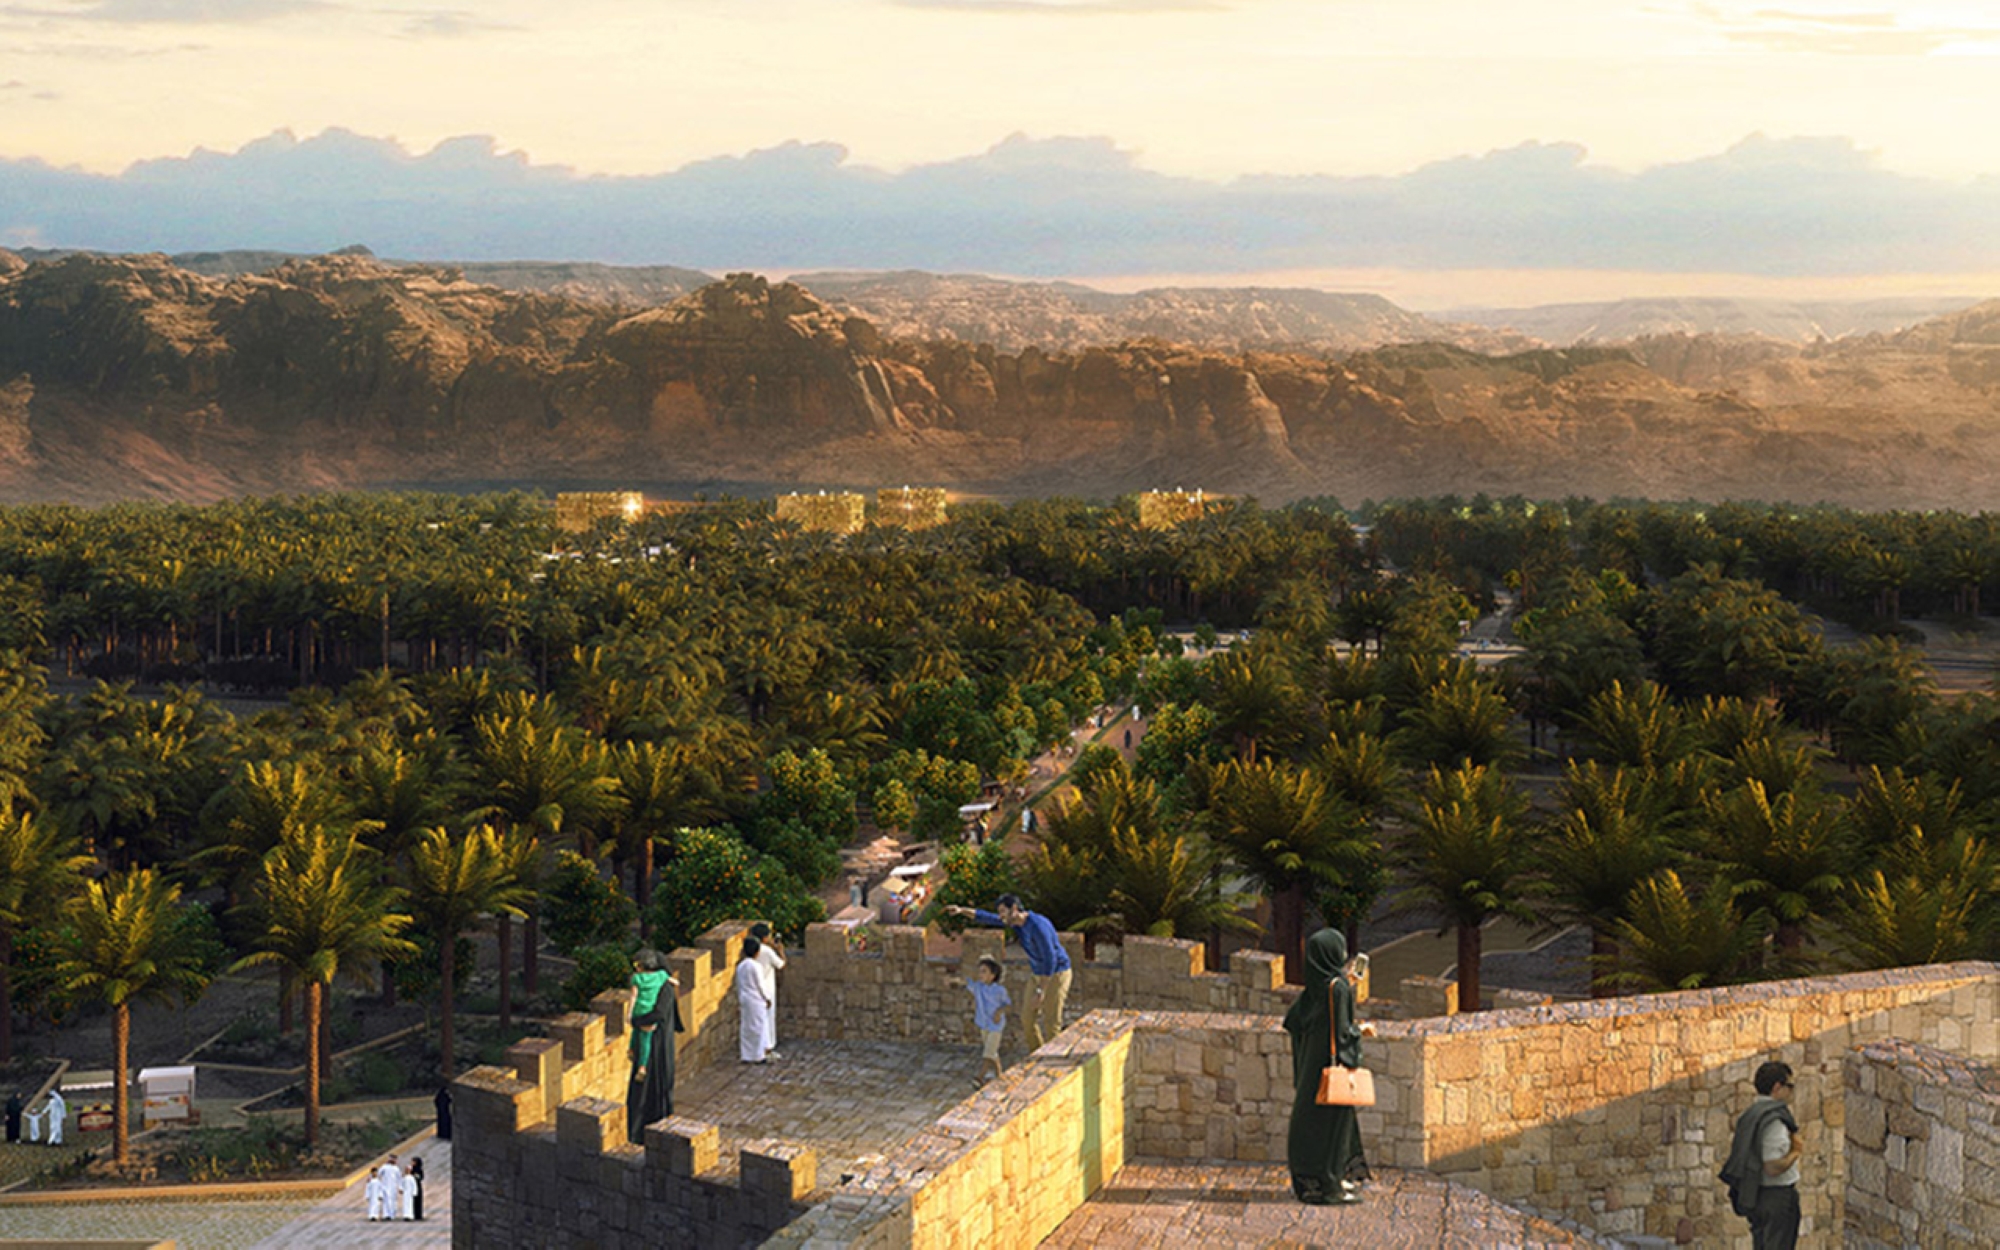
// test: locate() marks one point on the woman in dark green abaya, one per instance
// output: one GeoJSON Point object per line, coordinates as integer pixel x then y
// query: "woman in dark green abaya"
{"type": "Point", "coordinates": [1324, 1142]}
{"type": "Point", "coordinates": [650, 1096]}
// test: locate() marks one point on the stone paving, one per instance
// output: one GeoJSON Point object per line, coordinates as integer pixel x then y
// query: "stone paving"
{"type": "Point", "coordinates": [236, 1224]}
{"type": "Point", "coordinates": [848, 1100]}
{"type": "Point", "coordinates": [342, 1220]}
{"type": "Point", "coordinates": [196, 1225]}
{"type": "Point", "coordinates": [1234, 1204]}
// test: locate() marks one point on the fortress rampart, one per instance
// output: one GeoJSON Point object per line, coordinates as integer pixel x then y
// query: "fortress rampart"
{"type": "Point", "coordinates": [1613, 1114]}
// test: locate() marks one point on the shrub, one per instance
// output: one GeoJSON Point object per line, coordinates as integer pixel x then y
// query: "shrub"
{"type": "Point", "coordinates": [581, 908]}
{"type": "Point", "coordinates": [598, 968]}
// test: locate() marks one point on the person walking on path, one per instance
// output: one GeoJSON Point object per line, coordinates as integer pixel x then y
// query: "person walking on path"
{"type": "Point", "coordinates": [990, 1001]}
{"type": "Point", "coordinates": [14, 1116]}
{"type": "Point", "coordinates": [1763, 1166]}
{"type": "Point", "coordinates": [770, 959]}
{"type": "Point", "coordinates": [58, 1111]}
{"type": "Point", "coordinates": [1324, 1143]}
{"type": "Point", "coordinates": [649, 1096]}
{"type": "Point", "coordinates": [1046, 959]}
{"type": "Point", "coordinates": [417, 1188]}
{"type": "Point", "coordinates": [753, 1016]}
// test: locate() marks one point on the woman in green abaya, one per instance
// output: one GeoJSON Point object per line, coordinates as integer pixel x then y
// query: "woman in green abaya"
{"type": "Point", "coordinates": [1325, 1142]}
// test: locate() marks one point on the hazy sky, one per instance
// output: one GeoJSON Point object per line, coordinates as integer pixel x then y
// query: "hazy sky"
{"type": "Point", "coordinates": [1198, 89]}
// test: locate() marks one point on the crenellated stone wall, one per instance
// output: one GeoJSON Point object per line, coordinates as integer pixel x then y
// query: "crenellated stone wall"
{"type": "Point", "coordinates": [1614, 1114]}
{"type": "Point", "coordinates": [902, 992]}
{"type": "Point", "coordinates": [1923, 1147]}
{"type": "Point", "coordinates": [541, 1156]}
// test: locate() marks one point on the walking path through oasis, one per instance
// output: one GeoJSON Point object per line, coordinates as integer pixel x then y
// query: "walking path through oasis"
{"type": "Point", "coordinates": [235, 1224]}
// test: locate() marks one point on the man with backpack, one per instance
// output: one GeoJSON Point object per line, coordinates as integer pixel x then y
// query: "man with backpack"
{"type": "Point", "coordinates": [1763, 1168]}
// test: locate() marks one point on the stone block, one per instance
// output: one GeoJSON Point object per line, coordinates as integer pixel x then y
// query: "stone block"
{"type": "Point", "coordinates": [616, 1008]}
{"type": "Point", "coordinates": [539, 1062]}
{"type": "Point", "coordinates": [1429, 996]}
{"type": "Point", "coordinates": [826, 950]}
{"type": "Point", "coordinates": [1257, 970]}
{"type": "Point", "coordinates": [682, 1146]}
{"type": "Point", "coordinates": [590, 1125]}
{"type": "Point", "coordinates": [495, 1104]}
{"type": "Point", "coordinates": [776, 1169]}
{"type": "Point", "coordinates": [581, 1034]}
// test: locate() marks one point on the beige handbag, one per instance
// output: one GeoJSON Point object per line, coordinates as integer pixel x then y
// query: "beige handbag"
{"type": "Point", "coordinates": [1343, 1087]}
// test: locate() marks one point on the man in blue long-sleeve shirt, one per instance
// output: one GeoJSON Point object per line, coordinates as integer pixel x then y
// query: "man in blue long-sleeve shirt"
{"type": "Point", "coordinates": [1046, 959]}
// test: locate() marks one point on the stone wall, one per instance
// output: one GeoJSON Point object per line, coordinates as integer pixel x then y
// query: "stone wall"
{"type": "Point", "coordinates": [1616, 1114]}
{"type": "Point", "coordinates": [901, 992]}
{"type": "Point", "coordinates": [541, 1156]}
{"type": "Point", "coordinates": [1001, 1170]}
{"type": "Point", "coordinates": [1923, 1147]}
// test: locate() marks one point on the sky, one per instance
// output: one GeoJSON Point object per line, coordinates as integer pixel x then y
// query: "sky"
{"type": "Point", "coordinates": [1227, 109]}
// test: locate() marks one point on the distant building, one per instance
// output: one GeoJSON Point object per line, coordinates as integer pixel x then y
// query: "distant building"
{"type": "Point", "coordinates": [911, 507]}
{"type": "Point", "coordinates": [842, 512]}
{"type": "Point", "coordinates": [578, 511]}
{"type": "Point", "coordinates": [1164, 509]}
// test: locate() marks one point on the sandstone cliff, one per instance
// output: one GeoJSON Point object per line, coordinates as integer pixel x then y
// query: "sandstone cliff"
{"type": "Point", "coordinates": [126, 377]}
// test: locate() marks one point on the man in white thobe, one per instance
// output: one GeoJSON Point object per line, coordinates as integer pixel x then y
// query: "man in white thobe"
{"type": "Point", "coordinates": [58, 1112]}
{"type": "Point", "coordinates": [406, 1195]}
{"type": "Point", "coordinates": [375, 1203]}
{"type": "Point", "coordinates": [391, 1179]}
{"type": "Point", "coordinates": [753, 1006]}
{"type": "Point", "coordinates": [770, 959]}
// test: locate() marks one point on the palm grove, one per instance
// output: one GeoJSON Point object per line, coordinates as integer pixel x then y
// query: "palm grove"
{"type": "Point", "coordinates": [660, 726]}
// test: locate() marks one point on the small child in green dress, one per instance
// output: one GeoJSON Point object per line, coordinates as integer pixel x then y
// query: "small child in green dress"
{"type": "Point", "coordinates": [649, 977]}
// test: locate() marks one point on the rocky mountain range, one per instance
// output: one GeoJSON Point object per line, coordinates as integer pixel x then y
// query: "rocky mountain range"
{"type": "Point", "coordinates": [1787, 321]}
{"type": "Point", "coordinates": [130, 377]}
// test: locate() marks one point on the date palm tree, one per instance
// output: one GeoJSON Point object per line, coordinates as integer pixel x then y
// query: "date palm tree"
{"type": "Point", "coordinates": [1671, 940]}
{"type": "Point", "coordinates": [1470, 850]}
{"type": "Point", "coordinates": [1607, 838]}
{"type": "Point", "coordinates": [453, 882]}
{"type": "Point", "coordinates": [124, 942]}
{"type": "Point", "coordinates": [323, 910]}
{"type": "Point", "coordinates": [1932, 902]}
{"type": "Point", "coordinates": [1787, 855]}
{"type": "Point", "coordinates": [1286, 828]}
{"type": "Point", "coordinates": [40, 868]}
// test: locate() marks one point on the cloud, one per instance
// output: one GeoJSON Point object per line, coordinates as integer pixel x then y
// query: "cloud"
{"type": "Point", "coordinates": [175, 12]}
{"type": "Point", "coordinates": [450, 24]}
{"type": "Point", "coordinates": [1840, 34]}
{"type": "Point", "coordinates": [1046, 8]}
{"type": "Point", "coordinates": [1779, 207]}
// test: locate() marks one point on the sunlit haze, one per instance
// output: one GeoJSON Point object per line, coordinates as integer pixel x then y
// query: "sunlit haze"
{"type": "Point", "coordinates": [1203, 90]}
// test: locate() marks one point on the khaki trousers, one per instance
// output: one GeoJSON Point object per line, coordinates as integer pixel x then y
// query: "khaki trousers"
{"type": "Point", "coordinates": [1046, 1012]}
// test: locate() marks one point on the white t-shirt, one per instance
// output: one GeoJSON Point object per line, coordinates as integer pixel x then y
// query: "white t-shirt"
{"type": "Point", "coordinates": [1775, 1143]}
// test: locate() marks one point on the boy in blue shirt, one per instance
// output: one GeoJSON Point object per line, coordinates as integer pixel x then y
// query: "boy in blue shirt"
{"type": "Point", "coordinates": [990, 1001]}
{"type": "Point", "coordinates": [1046, 959]}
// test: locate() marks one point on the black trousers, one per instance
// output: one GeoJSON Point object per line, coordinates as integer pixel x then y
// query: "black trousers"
{"type": "Point", "coordinates": [1774, 1224]}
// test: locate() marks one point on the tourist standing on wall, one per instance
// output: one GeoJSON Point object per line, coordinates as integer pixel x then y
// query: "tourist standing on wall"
{"type": "Point", "coordinates": [649, 1095]}
{"type": "Point", "coordinates": [1046, 959]}
{"type": "Point", "coordinates": [770, 959]}
{"type": "Point", "coordinates": [1763, 1167]}
{"type": "Point", "coordinates": [1324, 1143]}
{"type": "Point", "coordinates": [990, 1001]}
{"type": "Point", "coordinates": [753, 1007]}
